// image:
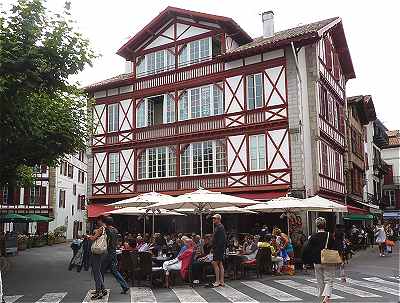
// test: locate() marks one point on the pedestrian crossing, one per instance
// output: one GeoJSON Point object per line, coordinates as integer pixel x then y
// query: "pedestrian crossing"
{"type": "Point", "coordinates": [293, 289]}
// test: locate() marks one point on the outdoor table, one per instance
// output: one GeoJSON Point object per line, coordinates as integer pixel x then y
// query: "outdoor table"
{"type": "Point", "coordinates": [159, 260]}
{"type": "Point", "coordinates": [234, 259]}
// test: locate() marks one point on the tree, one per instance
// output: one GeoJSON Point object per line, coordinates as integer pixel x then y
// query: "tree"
{"type": "Point", "coordinates": [43, 114]}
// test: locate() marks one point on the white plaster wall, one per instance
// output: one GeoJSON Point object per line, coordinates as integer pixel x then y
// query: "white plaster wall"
{"type": "Point", "coordinates": [305, 117]}
{"type": "Point", "coordinates": [63, 216]}
{"type": "Point", "coordinates": [234, 82]}
{"type": "Point", "coordinates": [233, 147]}
{"type": "Point", "coordinates": [126, 108]}
{"type": "Point", "coordinates": [392, 157]}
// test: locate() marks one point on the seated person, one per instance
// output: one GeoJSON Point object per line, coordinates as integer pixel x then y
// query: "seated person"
{"type": "Point", "coordinates": [141, 245]}
{"type": "Point", "coordinates": [250, 250]}
{"type": "Point", "coordinates": [202, 259]}
{"type": "Point", "coordinates": [181, 262]}
{"type": "Point", "coordinates": [129, 245]}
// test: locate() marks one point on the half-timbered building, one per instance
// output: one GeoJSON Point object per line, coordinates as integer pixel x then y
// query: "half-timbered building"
{"type": "Point", "coordinates": [360, 112]}
{"type": "Point", "coordinates": [205, 105]}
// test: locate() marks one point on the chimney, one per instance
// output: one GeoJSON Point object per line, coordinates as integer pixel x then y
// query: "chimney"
{"type": "Point", "coordinates": [268, 24]}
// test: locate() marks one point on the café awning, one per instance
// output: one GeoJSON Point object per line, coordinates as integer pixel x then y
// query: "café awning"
{"type": "Point", "coordinates": [97, 210]}
{"type": "Point", "coordinates": [358, 217]}
{"type": "Point", "coordinates": [37, 218]}
{"type": "Point", "coordinates": [8, 218]}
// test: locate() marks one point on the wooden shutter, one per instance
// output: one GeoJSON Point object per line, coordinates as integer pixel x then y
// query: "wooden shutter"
{"type": "Point", "coordinates": [27, 195]}
{"type": "Point", "coordinates": [43, 169]}
{"type": "Point", "coordinates": [42, 195]}
{"type": "Point", "coordinates": [336, 67]}
{"type": "Point", "coordinates": [328, 53]}
{"type": "Point", "coordinates": [324, 152]}
{"type": "Point", "coordinates": [83, 202]}
{"type": "Point", "coordinates": [337, 167]}
{"type": "Point", "coordinates": [16, 196]}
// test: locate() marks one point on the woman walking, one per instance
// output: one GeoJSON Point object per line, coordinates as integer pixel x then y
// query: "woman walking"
{"type": "Point", "coordinates": [98, 255]}
{"type": "Point", "coordinates": [324, 273]}
{"type": "Point", "coordinates": [380, 239]}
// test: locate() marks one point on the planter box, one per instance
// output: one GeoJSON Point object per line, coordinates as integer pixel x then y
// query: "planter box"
{"type": "Point", "coordinates": [22, 245]}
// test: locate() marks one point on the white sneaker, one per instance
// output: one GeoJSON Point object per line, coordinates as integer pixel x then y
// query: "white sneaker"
{"type": "Point", "coordinates": [196, 282]}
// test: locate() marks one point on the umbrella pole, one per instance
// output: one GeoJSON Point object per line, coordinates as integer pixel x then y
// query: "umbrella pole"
{"type": "Point", "coordinates": [144, 225]}
{"type": "Point", "coordinates": [288, 225]}
{"type": "Point", "coordinates": [153, 224]}
{"type": "Point", "coordinates": [201, 224]}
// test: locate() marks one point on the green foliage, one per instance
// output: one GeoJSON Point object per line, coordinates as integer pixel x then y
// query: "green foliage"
{"type": "Point", "coordinates": [60, 231]}
{"type": "Point", "coordinates": [43, 115]}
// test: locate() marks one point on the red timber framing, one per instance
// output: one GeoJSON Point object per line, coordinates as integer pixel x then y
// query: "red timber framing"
{"type": "Point", "coordinates": [237, 121]}
{"type": "Point", "coordinates": [331, 120]}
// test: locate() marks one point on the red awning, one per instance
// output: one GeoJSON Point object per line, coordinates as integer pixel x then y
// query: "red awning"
{"type": "Point", "coordinates": [356, 210]}
{"type": "Point", "coordinates": [261, 196]}
{"type": "Point", "coordinates": [96, 210]}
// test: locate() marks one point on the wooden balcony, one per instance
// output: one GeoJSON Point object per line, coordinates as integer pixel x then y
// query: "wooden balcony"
{"type": "Point", "coordinates": [202, 69]}
{"type": "Point", "coordinates": [180, 128]}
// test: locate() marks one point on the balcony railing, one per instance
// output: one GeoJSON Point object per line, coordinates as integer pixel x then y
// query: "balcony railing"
{"type": "Point", "coordinates": [181, 74]}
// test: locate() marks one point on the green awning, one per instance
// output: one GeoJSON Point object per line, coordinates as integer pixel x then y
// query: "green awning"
{"type": "Point", "coordinates": [358, 217]}
{"type": "Point", "coordinates": [12, 218]}
{"type": "Point", "coordinates": [37, 218]}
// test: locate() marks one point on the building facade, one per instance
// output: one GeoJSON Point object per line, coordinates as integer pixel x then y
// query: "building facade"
{"type": "Point", "coordinates": [360, 112]}
{"type": "Point", "coordinates": [58, 193]}
{"type": "Point", "coordinates": [205, 105]}
{"type": "Point", "coordinates": [376, 168]}
{"type": "Point", "coordinates": [391, 185]}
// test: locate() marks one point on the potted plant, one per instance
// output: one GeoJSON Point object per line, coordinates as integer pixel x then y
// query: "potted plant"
{"type": "Point", "coordinates": [51, 238]}
{"type": "Point", "coordinates": [59, 234]}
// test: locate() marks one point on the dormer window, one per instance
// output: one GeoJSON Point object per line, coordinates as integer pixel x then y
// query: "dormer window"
{"type": "Point", "coordinates": [195, 52]}
{"type": "Point", "coordinates": [154, 63]}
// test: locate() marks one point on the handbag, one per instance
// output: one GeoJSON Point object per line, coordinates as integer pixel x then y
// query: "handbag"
{"type": "Point", "coordinates": [330, 256]}
{"type": "Point", "coordinates": [99, 246]}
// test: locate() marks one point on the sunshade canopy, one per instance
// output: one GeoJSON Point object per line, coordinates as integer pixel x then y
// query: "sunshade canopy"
{"type": "Point", "coordinates": [37, 218]}
{"type": "Point", "coordinates": [143, 200]}
{"type": "Point", "coordinates": [220, 210]}
{"type": "Point", "coordinates": [202, 200]}
{"type": "Point", "coordinates": [13, 218]}
{"type": "Point", "coordinates": [135, 211]}
{"type": "Point", "coordinates": [290, 204]}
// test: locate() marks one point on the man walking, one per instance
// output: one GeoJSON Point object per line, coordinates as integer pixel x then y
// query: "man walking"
{"type": "Point", "coordinates": [110, 261]}
{"type": "Point", "coordinates": [218, 246]}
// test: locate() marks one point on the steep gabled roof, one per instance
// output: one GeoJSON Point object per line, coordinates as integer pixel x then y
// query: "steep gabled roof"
{"type": "Point", "coordinates": [228, 24]}
{"type": "Point", "coordinates": [302, 35]}
{"type": "Point", "coordinates": [394, 138]}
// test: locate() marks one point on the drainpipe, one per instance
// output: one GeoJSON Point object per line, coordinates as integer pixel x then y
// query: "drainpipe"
{"type": "Point", "coordinates": [300, 107]}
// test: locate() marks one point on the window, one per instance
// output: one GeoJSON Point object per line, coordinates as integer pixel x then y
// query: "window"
{"type": "Point", "coordinates": [72, 209]}
{"type": "Point", "coordinates": [201, 102]}
{"type": "Point", "coordinates": [157, 162]}
{"type": "Point", "coordinates": [338, 170]}
{"type": "Point", "coordinates": [195, 51]}
{"type": "Point", "coordinates": [203, 158]}
{"type": "Point", "coordinates": [156, 62]}
{"type": "Point", "coordinates": [170, 109]}
{"type": "Point", "coordinates": [74, 189]}
{"type": "Point", "coordinates": [113, 168]}
{"type": "Point", "coordinates": [70, 171]}
{"type": "Point", "coordinates": [113, 115]}
{"type": "Point", "coordinates": [156, 110]}
{"type": "Point", "coordinates": [391, 198]}
{"type": "Point", "coordinates": [324, 159]}
{"type": "Point", "coordinates": [257, 152]}
{"type": "Point", "coordinates": [38, 195]}
{"type": "Point", "coordinates": [4, 194]}
{"type": "Point", "coordinates": [83, 202]}
{"type": "Point", "coordinates": [61, 199]}
{"type": "Point", "coordinates": [254, 91]}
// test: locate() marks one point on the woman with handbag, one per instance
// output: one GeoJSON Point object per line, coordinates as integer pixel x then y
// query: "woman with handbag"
{"type": "Point", "coordinates": [321, 250]}
{"type": "Point", "coordinates": [99, 250]}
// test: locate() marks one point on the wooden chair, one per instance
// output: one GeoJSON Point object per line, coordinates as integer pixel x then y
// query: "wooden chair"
{"type": "Point", "coordinates": [262, 263]}
{"type": "Point", "coordinates": [126, 265]}
{"type": "Point", "coordinates": [146, 266]}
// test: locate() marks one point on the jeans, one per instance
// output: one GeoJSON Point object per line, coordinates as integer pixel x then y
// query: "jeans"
{"type": "Point", "coordinates": [110, 261]}
{"type": "Point", "coordinates": [325, 274]}
{"type": "Point", "coordinates": [96, 269]}
{"type": "Point", "coordinates": [174, 264]}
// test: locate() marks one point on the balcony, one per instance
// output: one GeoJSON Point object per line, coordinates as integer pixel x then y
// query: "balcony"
{"type": "Point", "coordinates": [201, 69]}
{"type": "Point", "coordinates": [380, 137]}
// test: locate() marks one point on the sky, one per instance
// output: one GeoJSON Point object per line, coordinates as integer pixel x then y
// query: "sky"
{"type": "Point", "coordinates": [371, 29]}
